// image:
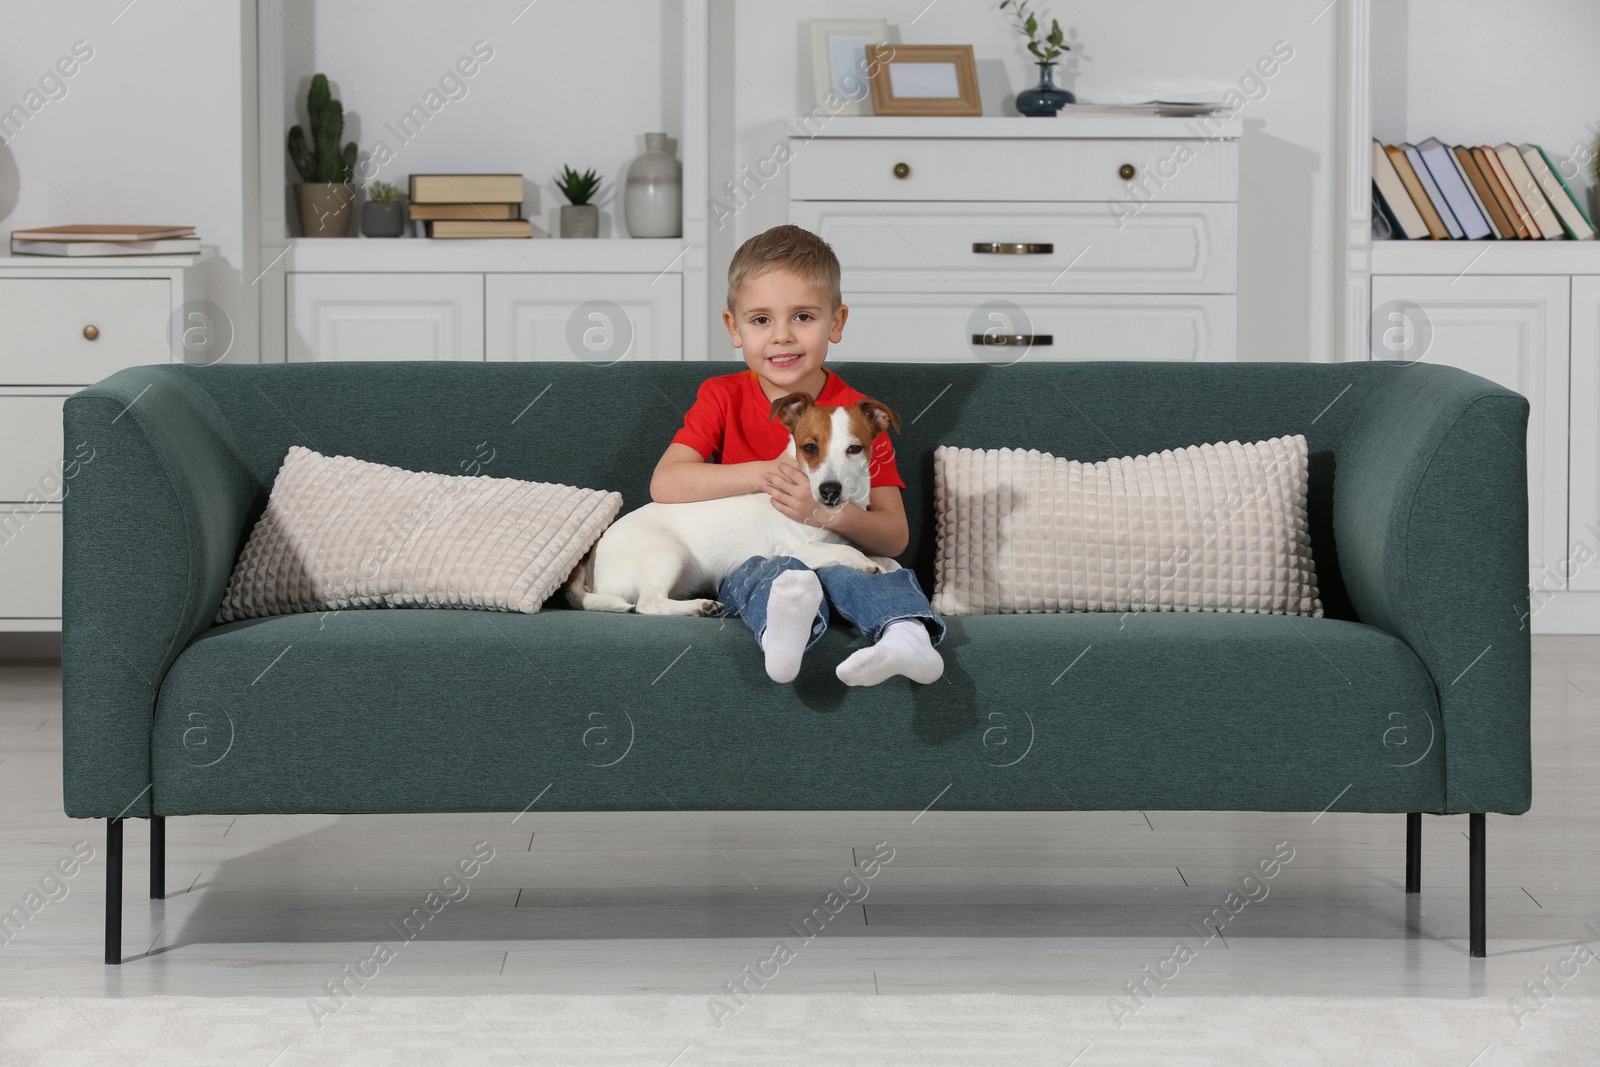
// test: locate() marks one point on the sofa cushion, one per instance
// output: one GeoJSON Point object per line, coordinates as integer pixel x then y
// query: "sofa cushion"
{"type": "Point", "coordinates": [341, 532]}
{"type": "Point", "coordinates": [1213, 527]}
{"type": "Point", "coordinates": [439, 710]}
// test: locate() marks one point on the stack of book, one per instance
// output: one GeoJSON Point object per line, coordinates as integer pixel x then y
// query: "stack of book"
{"type": "Point", "coordinates": [469, 205]}
{"type": "Point", "coordinates": [88, 239]}
{"type": "Point", "coordinates": [1509, 193]}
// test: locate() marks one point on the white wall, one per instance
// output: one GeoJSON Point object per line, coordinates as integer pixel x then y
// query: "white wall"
{"type": "Point", "coordinates": [1128, 50]}
{"type": "Point", "coordinates": [149, 130]}
{"type": "Point", "coordinates": [1489, 72]}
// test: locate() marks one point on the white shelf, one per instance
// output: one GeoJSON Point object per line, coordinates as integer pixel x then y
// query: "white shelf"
{"type": "Point", "coordinates": [1066, 126]}
{"type": "Point", "coordinates": [606, 255]}
{"type": "Point", "coordinates": [1486, 257]}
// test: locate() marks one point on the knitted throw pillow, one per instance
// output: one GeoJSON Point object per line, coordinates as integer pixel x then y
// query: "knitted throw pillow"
{"type": "Point", "coordinates": [343, 533]}
{"type": "Point", "coordinates": [1216, 527]}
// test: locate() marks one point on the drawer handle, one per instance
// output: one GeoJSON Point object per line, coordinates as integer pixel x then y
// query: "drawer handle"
{"type": "Point", "coordinates": [1013, 248]}
{"type": "Point", "coordinates": [1126, 172]}
{"type": "Point", "coordinates": [91, 332]}
{"type": "Point", "coordinates": [902, 170]}
{"type": "Point", "coordinates": [1004, 340]}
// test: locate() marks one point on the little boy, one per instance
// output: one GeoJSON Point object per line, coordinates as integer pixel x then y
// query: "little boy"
{"type": "Point", "coordinates": [784, 308]}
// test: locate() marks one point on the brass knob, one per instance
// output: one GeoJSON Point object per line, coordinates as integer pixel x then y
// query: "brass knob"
{"type": "Point", "coordinates": [1126, 172]}
{"type": "Point", "coordinates": [902, 170]}
{"type": "Point", "coordinates": [91, 332]}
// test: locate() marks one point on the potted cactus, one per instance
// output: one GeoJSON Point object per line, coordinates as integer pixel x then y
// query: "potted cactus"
{"type": "Point", "coordinates": [579, 218]}
{"type": "Point", "coordinates": [325, 192]}
{"type": "Point", "coordinates": [381, 215]}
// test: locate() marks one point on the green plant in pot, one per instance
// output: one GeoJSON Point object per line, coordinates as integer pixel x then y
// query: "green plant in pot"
{"type": "Point", "coordinates": [1044, 99]}
{"type": "Point", "coordinates": [579, 218]}
{"type": "Point", "coordinates": [383, 214]}
{"type": "Point", "coordinates": [325, 194]}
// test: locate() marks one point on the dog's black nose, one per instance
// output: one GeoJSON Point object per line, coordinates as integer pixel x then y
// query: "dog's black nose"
{"type": "Point", "coordinates": [829, 493]}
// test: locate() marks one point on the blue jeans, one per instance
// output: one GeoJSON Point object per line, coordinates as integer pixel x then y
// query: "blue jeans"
{"type": "Point", "coordinates": [870, 601]}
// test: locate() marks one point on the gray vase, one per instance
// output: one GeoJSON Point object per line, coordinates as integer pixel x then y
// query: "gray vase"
{"type": "Point", "coordinates": [580, 220]}
{"type": "Point", "coordinates": [384, 218]}
{"type": "Point", "coordinates": [652, 201]}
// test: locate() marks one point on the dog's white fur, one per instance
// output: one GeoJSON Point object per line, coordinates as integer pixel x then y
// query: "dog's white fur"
{"type": "Point", "coordinates": [670, 559]}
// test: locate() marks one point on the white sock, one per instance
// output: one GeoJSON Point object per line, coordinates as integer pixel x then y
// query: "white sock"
{"type": "Point", "coordinates": [792, 602]}
{"type": "Point", "coordinates": [904, 648]}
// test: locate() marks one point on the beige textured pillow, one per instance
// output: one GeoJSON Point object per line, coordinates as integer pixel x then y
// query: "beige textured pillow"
{"type": "Point", "coordinates": [1219, 527]}
{"type": "Point", "coordinates": [342, 533]}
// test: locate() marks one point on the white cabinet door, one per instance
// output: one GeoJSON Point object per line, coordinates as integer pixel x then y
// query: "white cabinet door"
{"type": "Point", "coordinates": [1513, 331]}
{"type": "Point", "coordinates": [596, 318]}
{"type": "Point", "coordinates": [1583, 571]}
{"type": "Point", "coordinates": [940, 327]}
{"type": "Point", "coordinates": [385, 316]}
{"type": "Point", "coordinates": [30, 565]}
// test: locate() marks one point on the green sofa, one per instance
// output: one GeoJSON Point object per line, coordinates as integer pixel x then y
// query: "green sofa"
{"type": "Point", "coordinates": [1410, 696]}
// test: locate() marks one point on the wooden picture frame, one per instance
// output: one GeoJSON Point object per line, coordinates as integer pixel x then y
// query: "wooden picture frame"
{"type": "Point", "coordinates": [839, 67]}
{"type": "Point", "coordinates": [933, 79]}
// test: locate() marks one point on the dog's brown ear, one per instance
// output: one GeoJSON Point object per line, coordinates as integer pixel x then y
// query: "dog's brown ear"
{"type": "Point", "coordinates": [788, 409]}
{"type": "Point", "coordinates": [879, 416]}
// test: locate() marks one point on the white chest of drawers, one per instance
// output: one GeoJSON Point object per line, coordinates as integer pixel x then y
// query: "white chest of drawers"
{"type": "Point", "coordinates": [1007, 238]}
{"type": "Point", "coordinates": [64, 324]}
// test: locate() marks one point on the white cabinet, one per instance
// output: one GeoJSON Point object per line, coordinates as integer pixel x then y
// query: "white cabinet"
{"type": "Point", "coordinates": [596, 318]}
{"type": "Point", "coordinates": [385, 316]}
{"type": "Point", "coordinates": [65, 324]}
{"type": "Point", "coordinates": [1075, 239]}
{"type": "Point", "coordinates": [1584, 570]}
{"type": "Point", "coordinates": [1514, 331]}
{"type": "Point", "coordinates": [930, 327]}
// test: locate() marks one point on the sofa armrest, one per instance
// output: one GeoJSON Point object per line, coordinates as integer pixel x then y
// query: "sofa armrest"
{"type": "Point", "coordinates": [151, 525]}
{"type": "Point", "coordinates": [1430, 517]}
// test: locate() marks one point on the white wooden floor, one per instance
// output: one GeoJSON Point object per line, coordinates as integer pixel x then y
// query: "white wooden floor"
{"type": "Point", "coordinates": [1030, 902]}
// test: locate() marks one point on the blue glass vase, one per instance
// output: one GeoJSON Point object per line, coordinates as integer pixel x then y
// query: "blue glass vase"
{"type": "Point", "coordinates": [1044, 99]}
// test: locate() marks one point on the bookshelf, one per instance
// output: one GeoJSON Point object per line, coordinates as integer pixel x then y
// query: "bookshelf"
{"type": "Point", "coordinates": [562, 86]}
{"type": "Point", "coordinates": [1525, 314]}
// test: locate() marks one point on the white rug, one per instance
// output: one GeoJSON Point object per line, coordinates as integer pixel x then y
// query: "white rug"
{"type": "Point", "coordinates": [660, 1030]}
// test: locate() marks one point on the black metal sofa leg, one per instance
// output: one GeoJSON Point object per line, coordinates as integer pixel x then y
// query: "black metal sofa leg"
{"type": "Point", "coordinates": [113, 891]}
{"type": "Point", "coordinates": [1475, 874]}
{"type": "Point", "coordinates": [1414, 852]}
{"type": "Point", "coordinates": [158, 857]}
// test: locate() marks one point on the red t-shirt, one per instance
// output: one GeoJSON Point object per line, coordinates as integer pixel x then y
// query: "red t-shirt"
{"type": "Point", "coordinates": [733, 417]}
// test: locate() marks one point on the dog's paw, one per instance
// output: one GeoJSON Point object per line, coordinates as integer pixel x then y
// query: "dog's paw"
{"type": "Point", "coordinates": [713, 609]}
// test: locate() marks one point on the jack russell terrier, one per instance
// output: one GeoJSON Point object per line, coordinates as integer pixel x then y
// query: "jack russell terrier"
{"type": "Point", "coordinates": [670, 559]}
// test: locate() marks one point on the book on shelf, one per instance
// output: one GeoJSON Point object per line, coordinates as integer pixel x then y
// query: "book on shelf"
{"type": "Point", "coordinates": [1413, 187]}
{"type": "Point", "coordinates": [1431, 190]}
{"type": "Point", "coordinates": [1454, 188]}
{"type": "Point", "coordinates": [166, 246]}
{"type": "Point", "coordinates": [1483, 189]}
{"type": "Point", "coordinates": [89, 231]}
{"type": "Point", "coordinates": [479, 228]}
{"type": "Point", "coordinates": [1489, 160]}
{"type": "Point", "coordinates": [1392, 194]}
{"type": "Point", "coordinates": [483, 212]}
{"type": "Point", "coordinates": [1568, 211]}
{"type": "Point", "coordinates": [1506, 192]}
{"type": "Point", "coordinates": [1544, 217]}
{"type": "Point", "coordinates": [466, 189]}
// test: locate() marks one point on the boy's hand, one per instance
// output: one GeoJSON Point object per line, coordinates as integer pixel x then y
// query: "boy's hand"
{"type": "Point", "coordinates": [790, 491]}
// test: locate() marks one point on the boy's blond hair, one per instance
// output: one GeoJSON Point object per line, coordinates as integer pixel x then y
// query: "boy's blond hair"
{"type": "Point", "coordinates": [788, 248]}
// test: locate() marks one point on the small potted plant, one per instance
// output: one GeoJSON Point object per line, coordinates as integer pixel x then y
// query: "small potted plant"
{"type": "Point", "coordinates": [579, 218]}
{"type": "Point", "coordinates": [382, 214]}
{"type": "Point", "coordinates": [1043, 99]}
{"type": "Point", "coordinates": [325, 193]}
